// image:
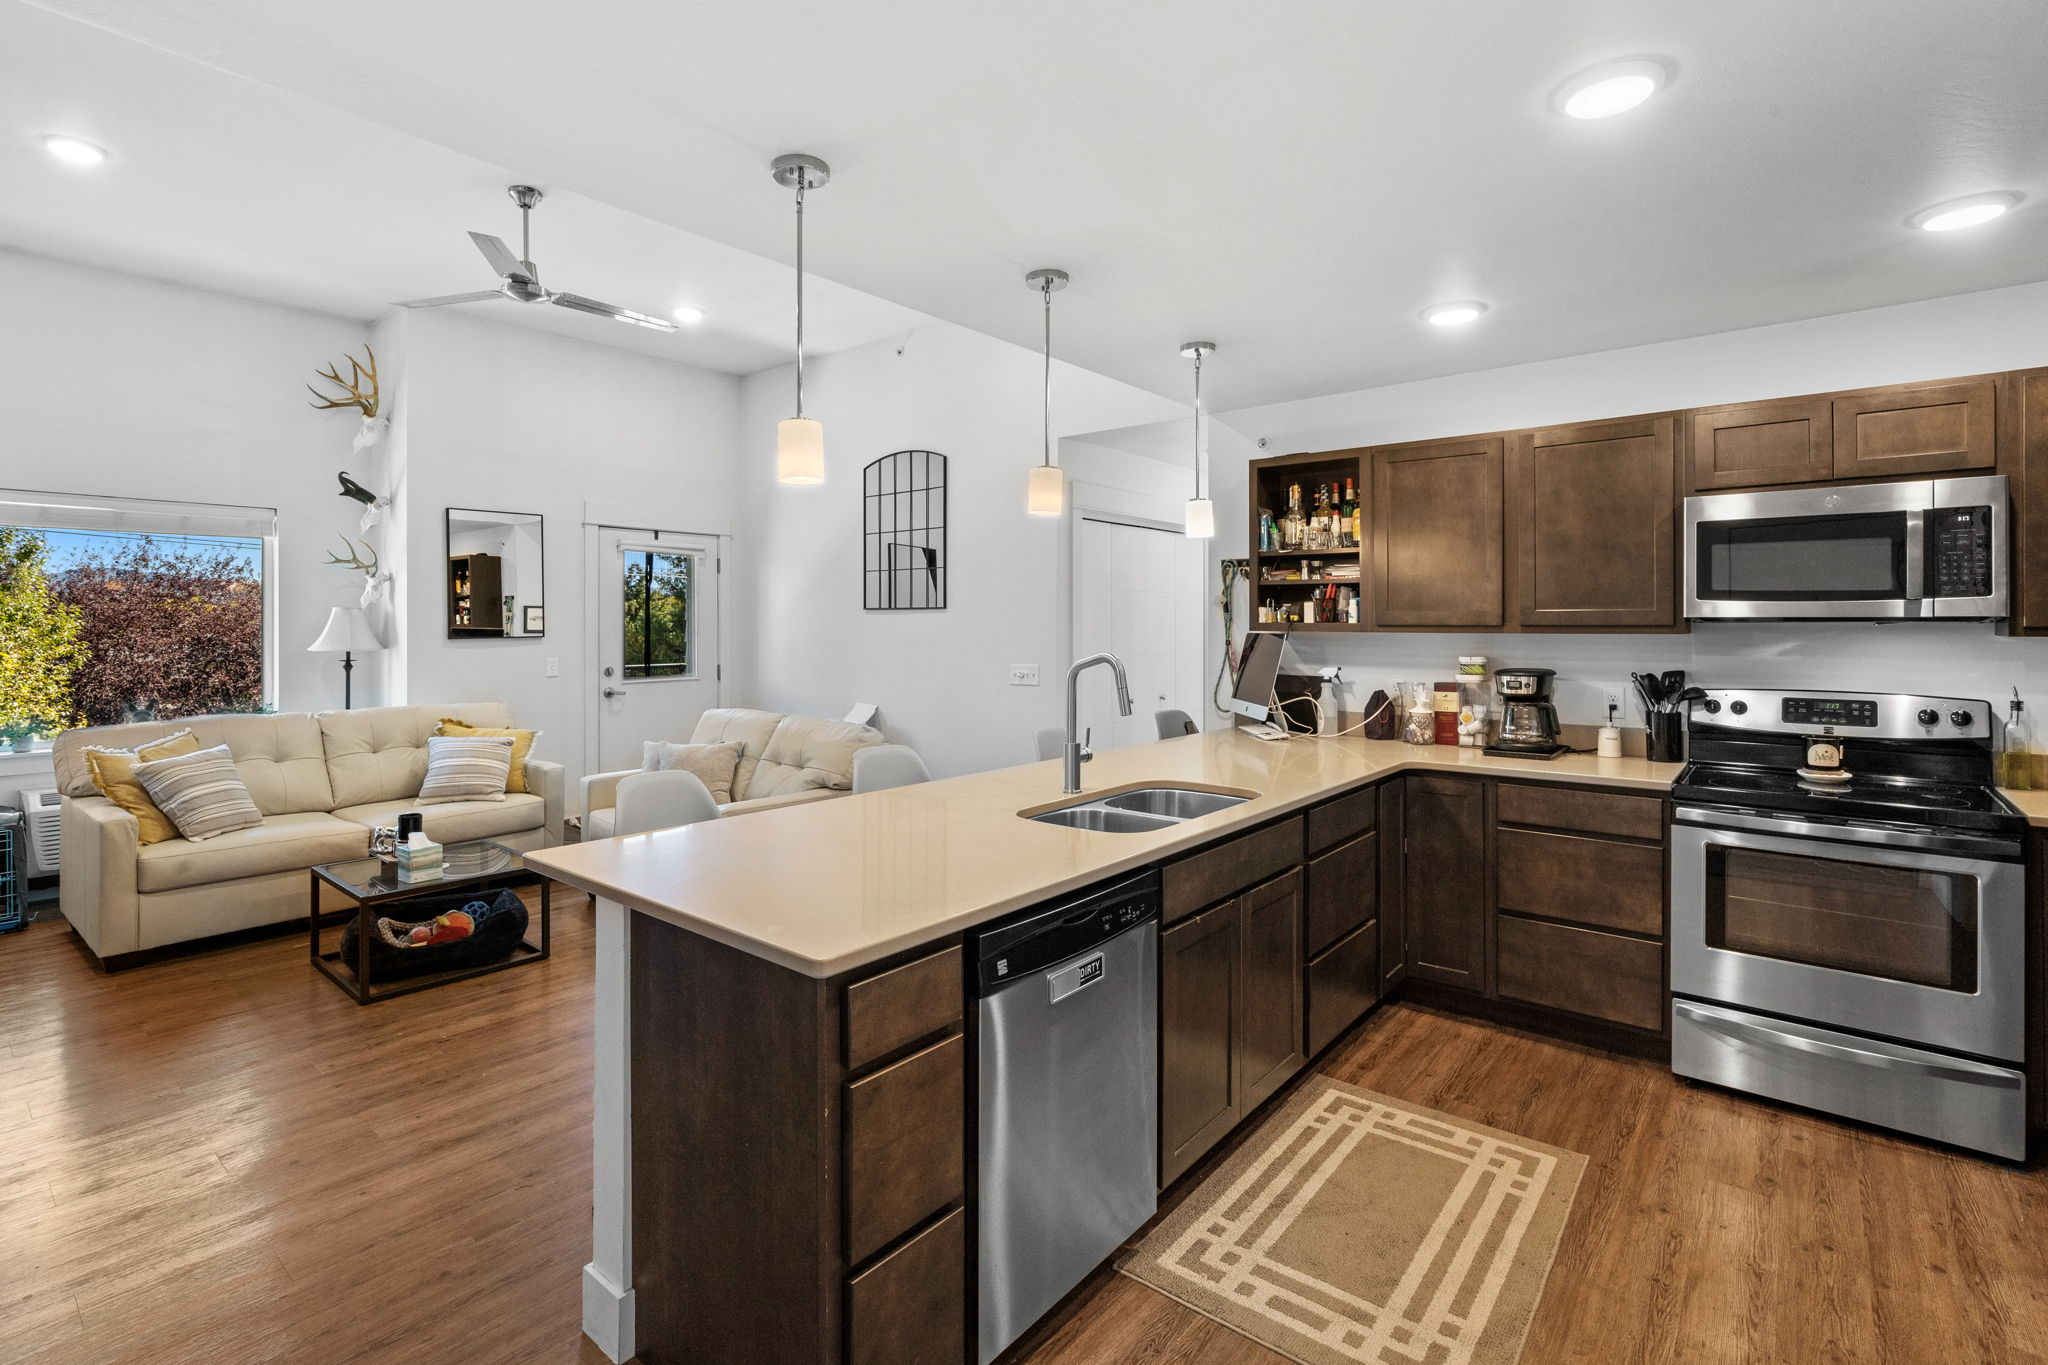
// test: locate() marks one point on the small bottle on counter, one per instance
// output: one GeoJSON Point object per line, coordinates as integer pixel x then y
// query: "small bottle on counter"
{"type": "Point", "coordinates": [2016, 760]}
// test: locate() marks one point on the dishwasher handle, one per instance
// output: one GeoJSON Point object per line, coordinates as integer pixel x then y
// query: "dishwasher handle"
{"type": "Point", "coordinates": [1041, 937]}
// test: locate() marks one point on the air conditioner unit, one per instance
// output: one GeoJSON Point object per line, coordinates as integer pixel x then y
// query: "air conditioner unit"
{"type": "Point", "coordinates": [41, 807]}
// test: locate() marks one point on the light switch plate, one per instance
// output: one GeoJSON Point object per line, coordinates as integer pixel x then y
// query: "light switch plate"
{"type": "Point", "coordinates": [1023, 675]}
{"type": "Point", "coordinates": [554, 668]}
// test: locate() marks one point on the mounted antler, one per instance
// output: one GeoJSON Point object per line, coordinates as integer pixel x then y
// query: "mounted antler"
{"type": "Point", "coordinates": [356, 398]}
{"type": "Point", "coordinates": [355, 560]}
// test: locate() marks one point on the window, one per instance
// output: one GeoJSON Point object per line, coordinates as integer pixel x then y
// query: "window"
{"type": "Point", "coordinates": [115, 610]}
{"type": "Point", "coordinates": [657, 613]}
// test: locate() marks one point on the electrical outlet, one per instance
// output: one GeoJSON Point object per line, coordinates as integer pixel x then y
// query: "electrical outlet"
{"type": "Point", "coordinates": [1614, 700]}
{"type": "Point", "coordinates": [554, 668]}
{"type": "Point", "coordinates": [1023, 675]}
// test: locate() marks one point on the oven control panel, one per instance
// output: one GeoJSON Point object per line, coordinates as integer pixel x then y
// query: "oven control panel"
{"type": "Point", "coordinates": [1959, 552]}
{"type": "Point", "coordinates": [1866, 715]}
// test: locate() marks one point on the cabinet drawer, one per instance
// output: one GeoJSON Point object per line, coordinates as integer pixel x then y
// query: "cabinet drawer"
{"type": "Point", "coordinates": [1624, 817]}
{"type": "Point", "coordinates": [905, 1140]}
{"type": "Point", "coordinates": [1344, 818]}
{"type": "Point", "coordinates": [1342, 984]}
{"type": "Point", "coordinates": [1221, 872]}
{"type": "Point", "coordinates": [1586, 881]}
{"type": "Point", "coordinates": [1343, 891]}
{"type": "Point", "coordinates": [910, 1307]}
{"type": "Point", "coordinates": [898, 1007]}
{"type": "Point", "coordinates": [1580, 970]}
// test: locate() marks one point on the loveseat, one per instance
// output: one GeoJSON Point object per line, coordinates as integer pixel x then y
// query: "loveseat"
{"type": "Point", "coordinates": [323, 781]}
{"type": "Point", "coordinates": [784, 761]}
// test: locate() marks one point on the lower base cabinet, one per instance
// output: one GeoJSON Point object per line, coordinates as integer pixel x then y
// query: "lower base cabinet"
{"type": "Point", "coordinates": [1584, 971]}
{"type": "Point", "coordinates": [910, 1307]}
{"type": "Point", "coordinates": [1343, 982]}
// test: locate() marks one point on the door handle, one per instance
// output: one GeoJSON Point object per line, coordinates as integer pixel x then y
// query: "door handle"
{"type": "Point", "coordinates": [612, 691]}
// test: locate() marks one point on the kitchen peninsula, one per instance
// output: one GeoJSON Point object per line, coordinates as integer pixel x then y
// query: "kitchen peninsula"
{"type": "Point", "coordinates": [784, 1076]}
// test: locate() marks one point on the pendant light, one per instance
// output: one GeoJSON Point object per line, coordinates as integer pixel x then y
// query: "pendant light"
{"type": "Point", "coordinates": [799, 441]}
{"type": "Point", "coordinates": [1201, 513]}
{"type": "Point", "coordinates": [1047, 495]}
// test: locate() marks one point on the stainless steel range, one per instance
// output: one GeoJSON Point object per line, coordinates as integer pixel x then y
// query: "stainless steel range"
{"type": "Point", "coordinates": [1848, 912]}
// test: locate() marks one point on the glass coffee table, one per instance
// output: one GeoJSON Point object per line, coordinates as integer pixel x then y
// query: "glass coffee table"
{"type": "Point", "coordinates": [374, 885]}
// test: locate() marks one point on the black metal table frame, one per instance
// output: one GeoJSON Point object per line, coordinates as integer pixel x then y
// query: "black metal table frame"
{"type": "Point", "coordinates": [355, 980]}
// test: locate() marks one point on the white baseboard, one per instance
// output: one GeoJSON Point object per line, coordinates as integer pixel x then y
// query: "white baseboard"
{"type": "Point", "coordinates": [607, 1315]}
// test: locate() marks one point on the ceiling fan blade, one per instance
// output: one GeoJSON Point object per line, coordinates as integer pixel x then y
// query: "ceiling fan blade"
{"type": "Point", "coordinates": [500, 256]}
{"type": "Point", "coordinates": [608, 310]}
{"type": "Point", "coordinates": [477, 297]}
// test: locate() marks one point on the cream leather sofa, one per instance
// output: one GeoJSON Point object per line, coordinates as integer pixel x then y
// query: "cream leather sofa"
{"type": "Point", "coordinates": [784, 761]}
{"type": "Point", "coordinates": [322, 781]}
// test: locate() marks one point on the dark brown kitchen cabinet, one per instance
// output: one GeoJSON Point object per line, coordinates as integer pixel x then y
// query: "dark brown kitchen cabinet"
{"type": "Point", "coordinates": [1924, 429]}
{"type": "Point", "coordinates": [1343, 890]}
{"type": "Point", "coordinates": [1597, 503]}
{"type": "Point", "coordinates": [1748, 445]}
{"type": "Point", "coordinates": [2029, 406]}
{"type": "Point", "coordinates": [1342, 984]}
{"type": "Point", "coordinates": [1393, 893]}
{"type": "Point", "coordinates": [1445, 823]}
{"type": "Point", "coordinates": [1198, 1066]}
{"type": "Point", "coordinates": [1437, 535]}
{"type": "Point", "coordinates": [1230, 1017]}
{"type": "Point", "coordinates": [1582, 971]}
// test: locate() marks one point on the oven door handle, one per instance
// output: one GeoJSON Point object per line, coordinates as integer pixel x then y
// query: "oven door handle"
{"type": "Point", "coordinates": [1916, 555]}
{"type": "Point", "coordinates": [1754, 1032]}
{"type": "Point", "coordinates": [1791, 827]}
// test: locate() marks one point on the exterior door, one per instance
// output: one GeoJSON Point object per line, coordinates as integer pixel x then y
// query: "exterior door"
{"type": "Point", "coordinates": [655, 609]}
{"type": "Point", "coordinates": [1138, 593]}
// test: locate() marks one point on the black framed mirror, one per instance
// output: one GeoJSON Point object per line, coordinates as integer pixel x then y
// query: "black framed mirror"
{"type": "Point", "coordinates": [497, 575]}
{"type": "Point", "coordinates": [903, 531]}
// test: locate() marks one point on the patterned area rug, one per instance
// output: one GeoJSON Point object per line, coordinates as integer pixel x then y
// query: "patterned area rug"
{"type": "Point", "coordinates": [1353, 1227]}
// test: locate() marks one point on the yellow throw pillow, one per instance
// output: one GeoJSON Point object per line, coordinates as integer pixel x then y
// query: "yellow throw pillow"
{"type": "Point", "coordinates": [113, 772]}
{"type": "Point", "coordinates": [522, 745]}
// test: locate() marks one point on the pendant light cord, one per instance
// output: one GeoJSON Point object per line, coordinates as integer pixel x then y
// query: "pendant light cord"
{"type": "Point", "coordinates": [1047, 286]}
{"type": "Point", "coordinates": [802, 177]}
{"type": "Point", "coordinates": [1198, 424]}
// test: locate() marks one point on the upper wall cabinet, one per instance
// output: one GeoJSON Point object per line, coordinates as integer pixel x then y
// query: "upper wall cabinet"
{"type": "Point", "coordinates": [1928, 430]}
{"type": "Point", "coordinates": [2030, 498]}
{"type": "Point", "coordinates": [1789, 440]}
{"type": "Point", "coordinates": [1436, 535]}
{"type": "Point", "coordinates": [1595, 508]}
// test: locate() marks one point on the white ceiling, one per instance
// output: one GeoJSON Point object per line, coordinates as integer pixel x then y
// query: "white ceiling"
{"type": "Point", "coordinates": [218, 181]}
{"type": "Point", "coordinates": [1294, 181]}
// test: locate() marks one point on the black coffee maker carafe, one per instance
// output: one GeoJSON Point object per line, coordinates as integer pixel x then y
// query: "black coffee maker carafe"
{"type": "Point", "coordinates": [1528, 719]}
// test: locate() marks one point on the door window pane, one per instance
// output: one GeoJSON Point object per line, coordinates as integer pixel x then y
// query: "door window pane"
{"type": "Point", "coordinates": [1892, 922]}
{"type": "Point", "coordinates": [656, 590]}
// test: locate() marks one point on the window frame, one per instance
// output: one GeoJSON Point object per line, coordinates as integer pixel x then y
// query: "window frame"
{"type": "Point", "coordinates": [690, 671]}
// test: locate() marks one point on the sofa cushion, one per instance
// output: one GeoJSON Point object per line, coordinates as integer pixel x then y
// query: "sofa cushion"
{"type": "Point", "coordinates": [806, 752]}
{"type": "Point", "coordinates": [201, 793]}
{"type": "Point", "coordinates": [712, 764]}
{"type": "Point", "coordinates": [113, 772]}
{"type": "Point", "coordinates": [752, 729]}
{"type": "Point", "coordinates": [380, 752]}
{"type": "Point", "coordinates": [454, 821]}
{"type": "Point", "coordinates": [281, 843]}
{"type": "Point", "coordinates": [280, 758]}
{"type": "Point", "coordinates": [466, 768]}
{"type": "Point", "coordinates": [522, 746]}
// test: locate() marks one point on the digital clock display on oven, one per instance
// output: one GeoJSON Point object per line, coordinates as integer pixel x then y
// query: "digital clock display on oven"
{"type": "Point", "coordinates": [1829, 711]}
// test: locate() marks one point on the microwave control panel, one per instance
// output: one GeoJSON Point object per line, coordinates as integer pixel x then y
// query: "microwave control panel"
{"type": "Point", "coordinates": [1959, 552]}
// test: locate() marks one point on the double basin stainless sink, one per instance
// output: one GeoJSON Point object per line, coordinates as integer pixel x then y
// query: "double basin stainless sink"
{"type": "Point", "coordinates": [1139, 810]}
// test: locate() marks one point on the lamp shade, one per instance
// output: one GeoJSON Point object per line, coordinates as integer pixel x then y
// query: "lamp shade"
{"type": "Point", "coordinates": [348, 632]}
{"type": "Point", "coordinates": [799, 451]}
{"type": "Point", "coordinates": [1047, 494]}
{"type": "Point", "coordinates": [1201, 523]}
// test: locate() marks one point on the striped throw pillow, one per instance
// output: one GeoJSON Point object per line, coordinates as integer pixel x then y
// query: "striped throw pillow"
{"type": "Point", "coordinates": [466, 768]}
{"type": "Point", "coordinates": [201, 792]}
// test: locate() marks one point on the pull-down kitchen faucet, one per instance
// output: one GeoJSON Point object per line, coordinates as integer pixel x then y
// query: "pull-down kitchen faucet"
{"type": "Point", "coordinates": [1076, 753]}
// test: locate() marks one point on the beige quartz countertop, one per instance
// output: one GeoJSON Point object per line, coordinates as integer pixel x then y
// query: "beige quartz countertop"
{"type": "Point", "coordinates": [2033, 805]}
{"type": "Point", "coordinates": [829, 886]}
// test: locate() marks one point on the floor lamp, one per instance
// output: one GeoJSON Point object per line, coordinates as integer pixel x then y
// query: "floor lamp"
{"type": "Point", "coordinates": [347, 634]}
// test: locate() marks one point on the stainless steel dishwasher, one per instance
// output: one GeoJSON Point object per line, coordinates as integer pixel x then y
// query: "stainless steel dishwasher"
{"type": "Point", "coordinates": [1069, 1137]}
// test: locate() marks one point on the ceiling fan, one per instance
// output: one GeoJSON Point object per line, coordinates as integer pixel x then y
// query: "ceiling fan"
{"type": "Point", "coordinates": [522, 280]}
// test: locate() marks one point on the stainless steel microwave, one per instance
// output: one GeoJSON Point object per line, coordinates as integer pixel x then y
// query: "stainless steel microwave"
{"type": "Point", "coordinates": [1928, 549]}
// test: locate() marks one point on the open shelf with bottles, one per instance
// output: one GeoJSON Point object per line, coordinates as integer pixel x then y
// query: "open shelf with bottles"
{"type": "Point", "coordinates": [1307, 530]}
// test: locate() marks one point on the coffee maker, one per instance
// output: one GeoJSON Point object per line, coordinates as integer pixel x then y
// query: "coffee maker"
{"type": "Point", "coordinates": [1528, 720]}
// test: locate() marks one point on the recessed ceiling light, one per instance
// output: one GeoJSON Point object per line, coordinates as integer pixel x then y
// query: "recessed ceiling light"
{"type": "Point", "coordinates": [75, 150]}
{"type": "Point", "coordinates": [1609, 88]}
{"type": "Point", "coordinates": [686, 313]}
{"type": "Point", "coordinates": [1966, 212]}
{"type": "Point", "coordinates": [1453, 314]}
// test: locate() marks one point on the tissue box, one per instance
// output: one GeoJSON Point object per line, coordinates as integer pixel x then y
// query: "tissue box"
{"type": "Point", "coordinates": [419, 860]}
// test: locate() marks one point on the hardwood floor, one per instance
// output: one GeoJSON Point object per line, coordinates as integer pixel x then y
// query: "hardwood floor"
{"type": "Point", "coordinates": [223, 1160]}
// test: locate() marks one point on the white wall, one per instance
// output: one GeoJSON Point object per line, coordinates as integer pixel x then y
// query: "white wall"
{"type": "Point", "coordinates": [1967, 334]}
{"type": "Point", "coordinates": [502, 418]}
{"type": "Point", "coordinates": [797, 625]}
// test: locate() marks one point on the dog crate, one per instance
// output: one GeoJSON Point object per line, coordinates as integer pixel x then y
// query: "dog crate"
{"type": "Point", "coordinates": [13, 901]}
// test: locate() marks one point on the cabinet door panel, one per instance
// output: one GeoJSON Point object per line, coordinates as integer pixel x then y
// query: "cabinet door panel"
{"type": "Point", "coordinates": [1754, 445]}
{"type": "Point", "coordinates": [910, 1308]}
{"type": "Point", "coordinates": [1596, 540]}
{"type": "Point", "coordinates": [1925, 430]}
{"type": "Point", "coordinates": [1198, 1071]}
{"type": "Point", "coordinates": [905, 1141]}
{"type": "Point", "coordinates": [1584, 971]}
{"type": "Point", "coordinates": [1269, 1019]}
{"type": "Point", "coordinates": [1587, 881]}
{"type": "Point", "coordinates": [2030, 521]}
{"type": "Point", "coordinates": [1446, 880]}
{"type": "Point", "coordinates": [1343, 889]}
{"type": "Point", "coordinates": [1342, 984]}
{"type": "Point", "coordinates": [1437, 533]}
{"type": "Point", "coordinates": [1393, 886]}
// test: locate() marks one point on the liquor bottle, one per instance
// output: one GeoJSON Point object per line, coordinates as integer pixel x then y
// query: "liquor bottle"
{"type": "Point", "coordinates": [1325, 520]}
{"type": "Point", "coordinates": [1350, 512]}
{"type": "Point", "coordinates": [1297, 529]}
